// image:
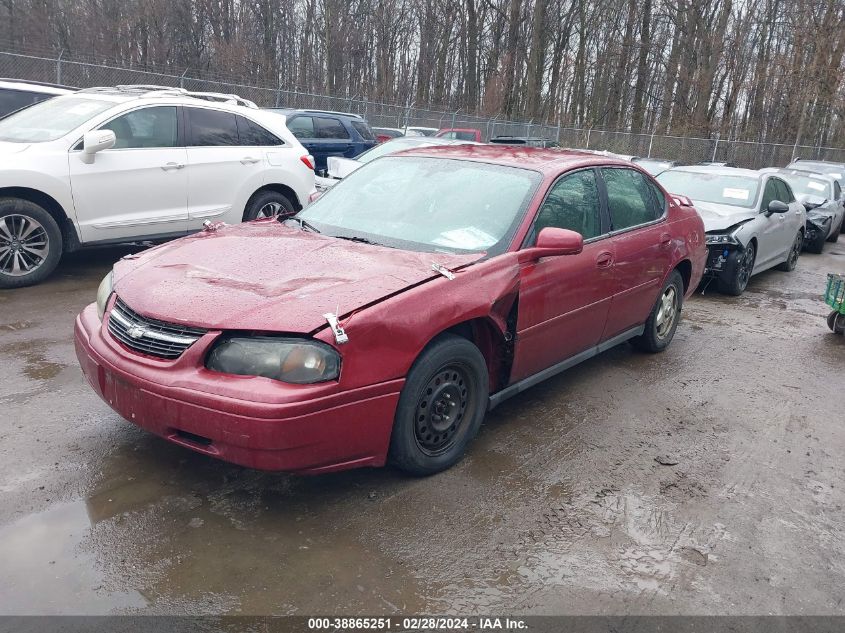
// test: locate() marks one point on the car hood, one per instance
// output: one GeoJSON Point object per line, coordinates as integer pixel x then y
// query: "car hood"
{"type": "Point", "coordinates": [265, 276]}
{"type": "Point", "coordinates": [718, 217]}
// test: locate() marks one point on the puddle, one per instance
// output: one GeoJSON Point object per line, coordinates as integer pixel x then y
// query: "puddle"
{"type": "Point", "coordinates": [46, 569]}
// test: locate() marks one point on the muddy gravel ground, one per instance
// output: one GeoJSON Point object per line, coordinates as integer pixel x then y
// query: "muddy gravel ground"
{"type": "Point", "coordinates": [561, 506]}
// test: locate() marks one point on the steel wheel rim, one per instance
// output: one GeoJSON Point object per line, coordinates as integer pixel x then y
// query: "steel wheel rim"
{"type": "Point", "coordinates": [442, 409]}
{"type": "Point", "coordinates": [269, 210]}
{"type": "Point", "coordinates": [745, 266]}
{"type": "Point", "coordinates": [24, 245]}
{"type": "Point", "coordinates": [667, 312]}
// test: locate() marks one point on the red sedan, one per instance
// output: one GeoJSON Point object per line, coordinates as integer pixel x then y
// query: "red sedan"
{"type": "Point", "coordinates": [382, 322]}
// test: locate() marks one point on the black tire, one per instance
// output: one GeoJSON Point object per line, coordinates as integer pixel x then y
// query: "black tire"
{"type": "Point", "coordinates": [29, 238]}
{"type": "Point", "coordinates": [658, 331]}
{"type": "Point", "coordinates": [836, 322]}
{"type": "Point", "coordinates": [734, 279]}
{"type": "Point", "coordinates": [441, 407]}
{"type": "Point", "coordinates": [265, 204]}
{"type": "Point", "coordinates": [834, 237]}
{"type": "Point", "coordinates": [816, 245]}
{"type": "Point", "coordinates": [794, 253]}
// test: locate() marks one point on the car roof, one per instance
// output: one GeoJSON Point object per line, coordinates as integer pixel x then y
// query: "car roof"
{"type": "Point", "coordinates": [543, 160]}
{"type": "Point", "coordinates": [809, 173]}
{"type": "Point", "coordinates": [717, 170]}
{"type": "Point", "coordinates": [25, 85]}
{"type": "Point", "coordinates": [351, 115]}
{"type": "Point", "coordinates": [152, 93]}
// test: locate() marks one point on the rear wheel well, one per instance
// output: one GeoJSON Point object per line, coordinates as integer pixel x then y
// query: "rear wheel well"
{"type": "Point", "coordinates": [286, 191]}
{"type": "Point", "coordinates": [684, 267]}
{"type": "Point", "coordinates": [69, 237]}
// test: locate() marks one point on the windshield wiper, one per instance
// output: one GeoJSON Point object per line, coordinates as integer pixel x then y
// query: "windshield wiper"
{"type": "Point", "coordinates": [357, 238]}
{"type": "Point", "coordinates": [305, 225]}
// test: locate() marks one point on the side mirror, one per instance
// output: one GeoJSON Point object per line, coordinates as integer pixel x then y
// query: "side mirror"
{"type": "Point", "coordinates": [776, 206]}
{"type": "Point", "coordinates": [552, 242]}
{"type": "Point", "coordinates": [94, 142]}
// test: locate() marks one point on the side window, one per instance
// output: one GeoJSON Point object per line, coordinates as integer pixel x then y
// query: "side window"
{"type": "Point", "coordinates": [329, 128]}
{"type": "Point", "coordinates": [148, 127]}
{"type": "Point", "coordinates": [659, 198]}
{"type": "Point", "coordinates": [837, 190]}
{"type": "Point", "coordinates": [784, 192]}
{"type": "Point", "coordinates": [250, 133]}
{"type": "Point", "coordinates": [449, 135]}
{"type": "Point", "coordinates": [630, 198]}
{"type": "Point", "coordinates": [364, 130]}
{"type": "Point", "coordinates": [572, 203]}
{"type": "Point", "coordinates": [211, 128]}
{"type": "Point", "coordinates": [769, 193]}
{"type": "Point", "coordinates": [301, 127]}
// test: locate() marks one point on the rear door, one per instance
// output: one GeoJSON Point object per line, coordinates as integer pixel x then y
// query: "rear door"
{"type": "Point", "coordinates": [564, 301]}
{"type": "Point", "coordinates": [643, 245]}
{"type": "Point", "coordinates": [139, 187]}
{"type": "Point", "coordinates": [219, 167]}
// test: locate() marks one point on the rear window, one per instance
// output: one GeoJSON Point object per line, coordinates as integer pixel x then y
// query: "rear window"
{"type": "Point", "coordinates": [211, 128]}
{"type": "Point", "coordinates": [737, 191]}
{"type": "Point", "coordinates": [328, 127]}
{"type": "Point", "coordinates": [364, 130]}
{"type": "Point", "coordinates": [250, 133]}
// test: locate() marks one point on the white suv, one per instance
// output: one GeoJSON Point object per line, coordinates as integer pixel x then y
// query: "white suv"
{"type": "Point", "coordinates": [107, 165]}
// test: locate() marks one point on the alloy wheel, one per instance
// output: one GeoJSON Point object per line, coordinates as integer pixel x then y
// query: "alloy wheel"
{"type": "Point", "coordinates": [24, 245]}
{"type": "Point", "coordinates": [269, 210]}
{"type": "Point", "coordinates": [441, 409]}
{"type": "Point", "coordinates": [795, 252]}
{"type": "Point", "coordinates": [667, 312]}
{"type": "Point", "coordinates": [746, 265]}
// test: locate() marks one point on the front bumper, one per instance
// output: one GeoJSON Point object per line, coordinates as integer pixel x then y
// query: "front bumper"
{"type": "Point", "coordinates": [254, 422]}
{"type": "Point", "coordinates": [718, 259]}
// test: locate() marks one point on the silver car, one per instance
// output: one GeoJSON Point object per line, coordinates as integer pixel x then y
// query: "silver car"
{"type": "Point", "coordinates": [751, 219]}
{"type": "Point", "coordinates": [822, 197]}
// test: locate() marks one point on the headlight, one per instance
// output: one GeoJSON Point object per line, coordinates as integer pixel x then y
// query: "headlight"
{"type": "Point", "coordinates": [721, 238]}
{"type": "Point", "coordinates": [103, 293]}
{"type": "Point", "coordinates": [286, 359]}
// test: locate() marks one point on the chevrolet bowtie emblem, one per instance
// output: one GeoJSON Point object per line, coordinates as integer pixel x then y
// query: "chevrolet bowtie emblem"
{"type": "Point", "coordinates": [136, 331]}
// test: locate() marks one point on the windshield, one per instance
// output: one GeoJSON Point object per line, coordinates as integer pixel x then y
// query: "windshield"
{"type": "Point", "coordinates": [737, 191]}
{"type": "Point", "coordinates": [427, 204]}
{"type": "Point", "coordinates": [809, 185]}
{"type": "Point", "coordinates": [391, 147]}
{"type": "Point", "coordinates": [51, 119]}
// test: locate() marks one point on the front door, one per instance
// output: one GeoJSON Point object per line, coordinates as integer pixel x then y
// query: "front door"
{"type": "Point", "coordinates": [138, 188]}
{"type": "Point", "coordinates": [564, 301]}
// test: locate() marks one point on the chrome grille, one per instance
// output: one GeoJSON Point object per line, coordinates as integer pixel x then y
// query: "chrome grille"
{"type": "Point", "coordinates": [150, 336]}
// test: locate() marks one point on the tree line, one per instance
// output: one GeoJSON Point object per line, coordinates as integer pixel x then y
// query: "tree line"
{"type": "Point", "coordinates": [758, 70]}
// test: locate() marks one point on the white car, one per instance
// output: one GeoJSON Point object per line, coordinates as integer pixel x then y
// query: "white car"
{"type": "Point", "coordinates": [752, 220]}
{"type": "Point", "coordinates": [416, 130]}
{"type": "Point", "coordinates": [107, 165]}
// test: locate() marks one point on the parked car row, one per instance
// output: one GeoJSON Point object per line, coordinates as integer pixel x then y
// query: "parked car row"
{"type": "Point", "coordinates": [414, 286]}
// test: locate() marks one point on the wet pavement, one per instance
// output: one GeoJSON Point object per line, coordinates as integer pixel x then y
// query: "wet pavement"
{"type": "Point", "coordinates": [708, 479]}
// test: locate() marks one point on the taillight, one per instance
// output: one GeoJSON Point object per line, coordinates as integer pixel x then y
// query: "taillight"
{"type": "Point", "coordinates": [308, 160]}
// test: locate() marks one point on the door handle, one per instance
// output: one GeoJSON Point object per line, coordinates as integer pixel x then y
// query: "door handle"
{"type": "Point", "coordinates": [249, 160]}
{"type": "Point", "coordinates": [604, 260]}
{"type": "Point", "coordinates": [171, 166]}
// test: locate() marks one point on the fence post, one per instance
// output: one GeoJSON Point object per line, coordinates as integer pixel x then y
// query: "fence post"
{"type": "Point", "coordinates": [59, 67]}
{"type": "Point", "coordinates": [715, 147]}
{"type": "Point", "coordinates": [182, 79]}
{"type": "Point", "coordinates": [650, 143]}
{"type": "Point", "coordinates": [589, 131]}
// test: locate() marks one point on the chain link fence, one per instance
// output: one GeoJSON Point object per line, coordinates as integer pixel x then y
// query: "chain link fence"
{"type": "Point", "coordinates": [686, 150]}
